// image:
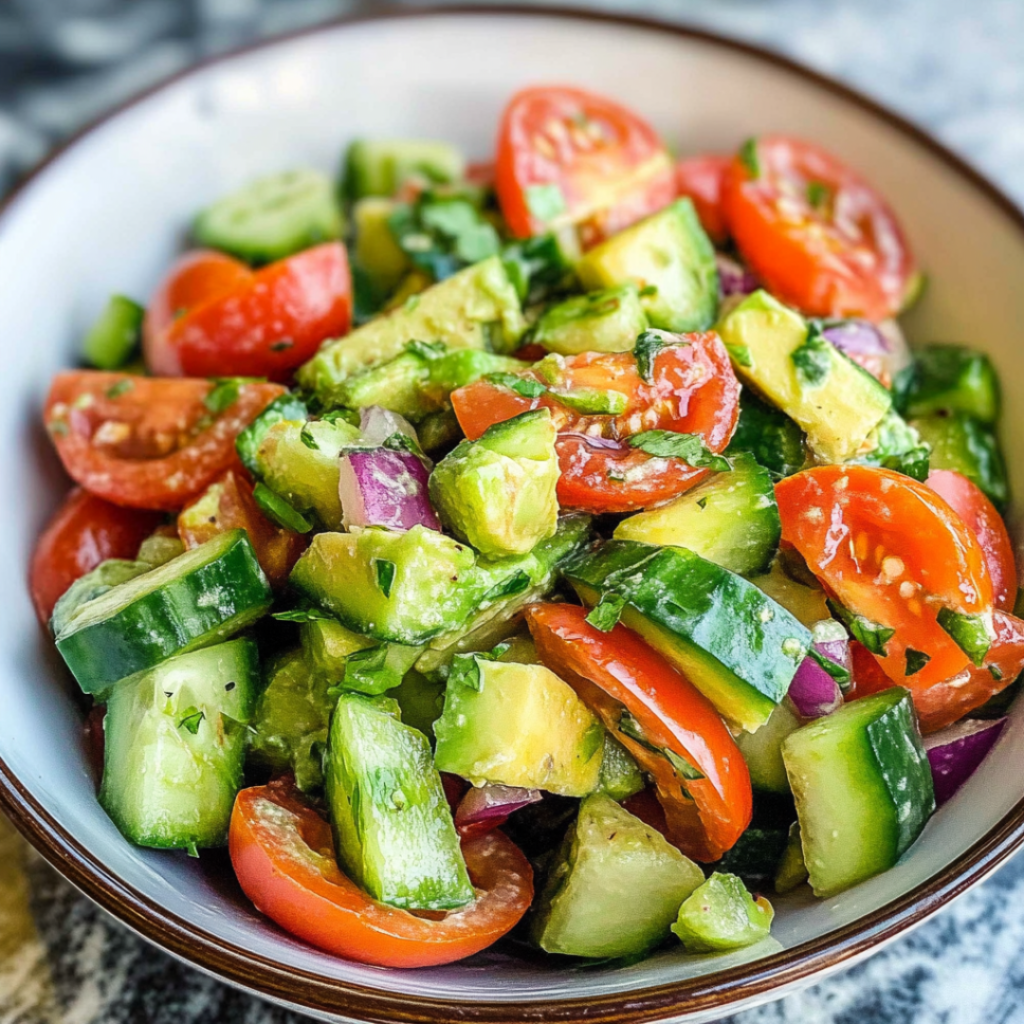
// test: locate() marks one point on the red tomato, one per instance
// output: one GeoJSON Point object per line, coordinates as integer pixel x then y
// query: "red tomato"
{"type": "Point", "coordinates": [616, 673]}
{"type": "Point", "coordinates": [481, 173]}
{"type": "Point", "coordinates": [702, 178]}
{"type": "Point", "coordinates": [228, 504]}
{"type": "Point", "coordinates": [147, 443]}
{"type": "Point", "coordinates": [85, 531]}
{"type": "Point", "coordinates": [195, 279]}
{"type": "Point", "coordinates": [890, 549]}
{"type": "Point", "coordinates": [566, 156]}
{"type": "Point", "coordinates": [283, 855]}
{"type": "Point", "coordinates": [817, 235]}
{"type": "Point", "coordinates": [970, 503]}
{"type": "Point", "coordinates": [271, 322]}
{"type": "Point", "coordinates": [693, 391]}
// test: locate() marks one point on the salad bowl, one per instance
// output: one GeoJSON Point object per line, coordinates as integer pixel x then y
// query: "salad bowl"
{"type": "Point", "coordinates": [109, 211]}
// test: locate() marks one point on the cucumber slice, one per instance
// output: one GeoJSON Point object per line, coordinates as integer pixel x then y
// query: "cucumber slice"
{"type": "Point", "coordinates": [947, 379]}
{"type": "Point", "coordinates": [862, 786]}
{"type": "Point", "coordinates": [104, 577]}
{"type": "Point", "coordinates": [792, 871]}
{"type": "Point", "coordinates": [965, 444]}
{"type": "Point", "coordinates": [174, 746]}
{"type": "Point", "coordinates": [731, 519]}
{"type": "Point", "coordinates": [393, 830]}
{"type": "Point", "coordinates": [379, 167]}
{"type": "Point", "coordinates": [736, 645]}
{"type": "Point", "coordinates": [762, 750]}
{"type": "Point", "coordinates": [769, 435]}
{"type": "Point", "coordinates": [604, 321]}
{"type": "Point", "coordinates": [272, 217]}
{"type": "Point", "coordinates": [287, 407]}
{"type": "Point", "coordinates": [756, 855]}
{"type": "Point", "coordinates": [115, 335]}
{"type": "Point", "coordinates": [192, 601]}
{"type": "Point", "coordinates": [721, 915]}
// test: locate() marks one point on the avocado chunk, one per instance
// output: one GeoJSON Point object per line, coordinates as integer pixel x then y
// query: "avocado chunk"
{"type": "Point", "coordinates": [946, 379]}
{"type": "Point", "coordinates": [615, 888]}
{"type": "Point", "coordinates": [379, 167]}
{"type": "Point", "coordinates": [393, 831]}
{"type": "Point", "coordinates": [721, 915]}
{"type": "Point", "coordinates": [377, 254]}
{"type": "Point", "coordinates": [670, 260]}
{"type": "Point", "coordinates": [621, 777]}
{"type": "Point", "coordinates": [327, 646]}
{"type": "Point", "coordinates": [775, 350]}
{"type": "Point", "coordinates": [498, 492]}
{"type": "Point", "coordinates": [604, 321]}
{"type": "Point", "coordinates": [962, 443]}
{"type": "Point", "coordinates": [299, 462]}
{"type": "Point", "coordinates": [475, 308]}
{"type": "Point", "coordinates": [736, 645]}
{"type": "Point", "coordinates": [517, 725]}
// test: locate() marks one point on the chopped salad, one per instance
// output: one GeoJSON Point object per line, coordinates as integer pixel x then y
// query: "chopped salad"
{"type": "Point", "coordinates": [566, 548]}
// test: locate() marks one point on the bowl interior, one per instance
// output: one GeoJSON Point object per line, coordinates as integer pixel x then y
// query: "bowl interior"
{"type": "Point", "coordinates": [113, 210]}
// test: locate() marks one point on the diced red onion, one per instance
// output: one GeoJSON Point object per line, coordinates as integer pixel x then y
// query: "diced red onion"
{"type": "Point", "coordinates": [377, 424]}
{"type": "Point", "coordinates": [384, 488]}
{"type": "Point", "coordinates": [734, 278]}
{"type": "Point", "coordinates": [487, 807]}
{"type": "Point", "coordinates": [878, 348]}
{"type": "Point", "coordinates": [955, 753]}
{"type": "Point", "coordinates": [814, 692]}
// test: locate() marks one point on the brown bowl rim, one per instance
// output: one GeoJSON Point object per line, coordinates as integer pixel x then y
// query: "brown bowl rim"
{"type": "Point", "coordinates": [718, 991]}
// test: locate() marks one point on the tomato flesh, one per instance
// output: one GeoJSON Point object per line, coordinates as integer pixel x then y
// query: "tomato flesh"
{"type": "Point", "coordinates": [146, 442]}
{"type": "Point", "coordinates": [566, 156]}
{"type": "Point", "coordinates": [617, 672]}
{"type": "Point", "coordinates": [85, 531]}
{"type": "Point", "coordinates": [817, 235]}
{"type": "Point", "coordinates": [693, 390]}
{"type": "Point", "coordinates": [283, 854]}
{"type": "Point", "coordinates": [702, 179]}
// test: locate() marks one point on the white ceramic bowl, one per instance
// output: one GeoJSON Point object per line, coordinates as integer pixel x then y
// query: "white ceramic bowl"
{"type": "Point", "coordinates": [109, 213]}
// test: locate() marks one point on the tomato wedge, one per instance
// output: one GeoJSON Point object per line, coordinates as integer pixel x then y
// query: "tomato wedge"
{"type": "Point", "coordinates": [85, 531]}
{"type": "Point", "coordinates": [283, 855]}
{"type": "Point", "coordinates": [228, 504]}
{"type": "Point", "coordinates": [890, 549]}
{"type": "Point", "coordinates": [270, 322]}
{"type": "Point", "coordinates": [692, 390]}
{"type": "Point", "coordinates": [149, 443]}
{"type": "Point", "coordinates": [970, 503]}
{"type": "Point", "coordinates": [702, 178]}
{"type": "Point", "coordinates": [671, 728]}
{"type": "Point", "coordinates": [817, 235]}
{"type": "Point", "coordinates": [566, 156]}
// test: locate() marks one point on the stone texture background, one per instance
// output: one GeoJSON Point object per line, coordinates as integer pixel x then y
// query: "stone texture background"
{"type": "Point", "coordinates": [955, 68]}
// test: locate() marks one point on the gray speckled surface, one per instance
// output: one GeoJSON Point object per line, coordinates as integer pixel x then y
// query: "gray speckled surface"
{"type": "Point", "coordinates": [956, 68]}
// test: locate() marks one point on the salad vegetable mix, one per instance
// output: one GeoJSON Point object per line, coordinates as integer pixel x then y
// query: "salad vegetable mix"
{"type": "Point", "coordinates": [567, 548]}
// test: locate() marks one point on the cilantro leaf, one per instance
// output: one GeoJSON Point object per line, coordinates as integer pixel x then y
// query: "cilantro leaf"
{"type": "Point", "coordinates": [749, 158]}
{"type": "Point", "coordinates": [525, 386]}
{"type": "Point", "coordinates": [191, 719]}
{"type": "Point", "coordinates": [813, 359]}
{"type": "Point", "coordinates": [646, 349]}
{"type": "Point", "coordinates": [668, 444]}
{"type": "Point", "coordinates": [607, 612]}
{"type": "Point", "coordinates": [385, 575]}
{"type": "Point", "coordinates": [971, 633]}
{"type": "Point", "coordinates": [916, 660]}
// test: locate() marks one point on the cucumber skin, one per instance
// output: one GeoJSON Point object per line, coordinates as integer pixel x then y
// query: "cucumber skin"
{"type": "Point", "coordinates": [203, 805]}
{"type": "Point", "coordinates": [768, 434]}
{"type": "Point", "coordinates": [286, 407]}
{"type": "Point", "coordinates": [174, 619]}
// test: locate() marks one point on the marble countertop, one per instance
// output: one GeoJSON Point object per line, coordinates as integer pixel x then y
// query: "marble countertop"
{"type": "Point", "coordinates": [955, 68]}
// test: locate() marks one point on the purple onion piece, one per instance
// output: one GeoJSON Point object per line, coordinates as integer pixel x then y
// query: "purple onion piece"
{"type": "Point", "coordinates": [734, 278]}
{"type": "Point", "coordinates": [485, 803]}
{"type": "Point", "coordinates": [384, 488]}
{"type": "Point", "coordinates": [377, 424]}
{"type": "Point", "coordinates": [814, 692]}
{"type": "Point", "coordinates": [858, 337]}
{"type": "Point", "coordinates": [955, 753]}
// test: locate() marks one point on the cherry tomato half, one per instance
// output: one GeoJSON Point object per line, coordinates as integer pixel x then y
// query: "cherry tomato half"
{"type": "Point", "coordinates": [702, 780]}
{"type": "Point", "coordinates": [702, 178]}
{"type": "Point", "coordinates": [889, 549]}
{"type": "Point", "coordinates": [817, 235]}
{"type": "Point", "coordinates": [693, 390]}
{"type": "Point", "coordinates": [147, 442]}
{"type": "Point", "coordinates": [85, 531]}
{"type": "Point", "coordinates": [268, 324]}
{"type": "Point", "coordinates": [566, 156]}
{"type": "Point", "coordinates": [283, 855]}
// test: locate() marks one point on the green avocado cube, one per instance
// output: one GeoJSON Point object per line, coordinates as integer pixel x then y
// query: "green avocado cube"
{"type": "Point", "coordinates": [721, 915]}
{"type": "Point", "coordinates": [603, 321]}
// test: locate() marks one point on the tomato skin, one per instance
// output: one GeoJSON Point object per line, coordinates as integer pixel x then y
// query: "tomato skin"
{"type": "Point", "coordinates": [974, 508]}
{"type": "Point", "coordinates": [693, 390]}
{"type": "Point", "coordinates": [702, 178]}
{"type": "Point", "coordinates": [284, 859]}
{"type": "Point", "coordinates": [84, 531]}
{"type": "Point", "coordinates": [616, 670]}
{"type": "Point", "coordinates": [269, 324]}
{"type": "Point", "coordinates": [889, 548]}
{"type": "Point", "coordinates": [153, 444]}
{"type": "Point", "coordinates": [843, 257]}
{"type": "Point", "coordinates": [608, 164]}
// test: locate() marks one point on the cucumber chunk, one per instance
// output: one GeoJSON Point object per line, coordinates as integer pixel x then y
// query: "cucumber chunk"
{"type": "Point", "coordinates": [517, 725]}
{"type": "Point", "coordinates": [604, 321]}
{"type": "Point", "coordinates": [669, 258]}
{"type": "Point", "coordinates": [769, 435]}
{"type": "Point", "coordinates": [379, 167]}
{"type": "Point", "coordinates": [174, 747]}
{"type": "Point", "coordinates": [721, 915]}
{"type": "Point", "coordinates": [736, 645]}
{"type": "Point", "coordinates": [948, 379]}
{"type": "Point", "coordinates": [792, 871]}
{"type": "Point", "coordinates": [393, 830]}
{"type": "Point", "coordinates": [621, 777]}
{"type": "Point", "coordinates": [862, 786]}
{"type": "Point", "coordinates": [965, 444]}
{"type": "Point", "coordinates": [116, 335]}
{"type": "Point", "coordinates": [104, 577]}
{"type": "Point", "coordinates": [762, 750]}
{"type": "Point", "coordinates": [287, 407]}
{"type": "Point", "coordinates": [195, 600]}
{"type": "Point", "coordinates": [615, 888]}
{"type": "Point", "coordinates": [730, 519]}
{"type": "Point", "coordinates": [272, 217]}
